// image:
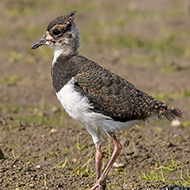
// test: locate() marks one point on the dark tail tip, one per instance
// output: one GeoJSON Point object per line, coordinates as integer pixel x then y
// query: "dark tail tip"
{"type": "Point", "coordinates": [171, 113]}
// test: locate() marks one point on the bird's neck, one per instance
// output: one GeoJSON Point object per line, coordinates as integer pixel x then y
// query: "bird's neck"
{"type": "Point", "coordinates": [70, 45]}
{"type": "Point", "coordinates": [57, 52]}
{"type": "Point", "coordinates": [63, 51]}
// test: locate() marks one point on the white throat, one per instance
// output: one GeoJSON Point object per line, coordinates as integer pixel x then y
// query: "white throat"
{"type": "Point", "coordinates": [57, 52]}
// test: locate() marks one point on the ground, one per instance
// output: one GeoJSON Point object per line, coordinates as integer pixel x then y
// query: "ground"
{"type": "Point", "coordinates": [145, 42]}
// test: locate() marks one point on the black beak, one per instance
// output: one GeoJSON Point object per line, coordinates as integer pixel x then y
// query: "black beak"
{"type": "Point", "coordinates": [39, 43]}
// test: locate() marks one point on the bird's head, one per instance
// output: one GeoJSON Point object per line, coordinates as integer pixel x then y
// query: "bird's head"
{"type": "Point", "coordinates": [61, 33]}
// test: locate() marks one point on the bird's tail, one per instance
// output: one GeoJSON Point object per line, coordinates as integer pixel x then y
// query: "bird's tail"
{"type": "Point", "coordinates": [169, 112]}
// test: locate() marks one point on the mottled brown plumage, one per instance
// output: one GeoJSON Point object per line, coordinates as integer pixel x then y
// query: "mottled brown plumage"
{"type": "Point", "coordinates": [109, 94]}
{"type": "Point", "coordinates": [114, 96]}
{"type": "Point", "coordinates": [64, 20]}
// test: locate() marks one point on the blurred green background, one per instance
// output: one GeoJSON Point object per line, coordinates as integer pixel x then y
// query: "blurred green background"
{"type": "Point", "coordinates": [144, 41]}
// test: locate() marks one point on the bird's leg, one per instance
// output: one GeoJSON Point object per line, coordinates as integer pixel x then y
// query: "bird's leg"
{"type": "Point", "coordinates": [117, 149]}
{"type": "Point", "coordinates": [98, 160]}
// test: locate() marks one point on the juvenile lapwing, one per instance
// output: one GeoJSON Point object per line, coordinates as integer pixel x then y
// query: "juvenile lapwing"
{"type": "Point", "coordinates": [101, 100]}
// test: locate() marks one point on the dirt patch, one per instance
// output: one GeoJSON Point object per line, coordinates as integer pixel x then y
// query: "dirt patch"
{"type": "Point", "coordinates": [36, 157]}
{"type": "Point", "coordinates": [145, 42]}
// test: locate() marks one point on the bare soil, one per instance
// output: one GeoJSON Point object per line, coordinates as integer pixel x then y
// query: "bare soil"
{"type": "Point", "coordinates": [35, 154]}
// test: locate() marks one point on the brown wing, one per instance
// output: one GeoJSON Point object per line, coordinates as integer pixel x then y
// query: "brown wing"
{"type": "Point", "coordinates": [113, 96]}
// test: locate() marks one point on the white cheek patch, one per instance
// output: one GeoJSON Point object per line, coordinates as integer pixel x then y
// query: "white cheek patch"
{"type": "Point", "coordinates": [48, 36]}
{"type": "Point", "coordinates": [66, 41]}
{"type": "Point", "coordinates": [47, 43]}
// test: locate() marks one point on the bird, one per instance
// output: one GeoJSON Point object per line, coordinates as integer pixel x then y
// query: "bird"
{"type": "Point", "coordinates": [99, 99]}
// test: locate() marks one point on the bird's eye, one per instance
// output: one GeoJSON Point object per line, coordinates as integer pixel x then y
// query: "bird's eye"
{"type": "Point", "coordinates": [56, 32]}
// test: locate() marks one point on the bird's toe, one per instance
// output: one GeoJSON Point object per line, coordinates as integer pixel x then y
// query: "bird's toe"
{"type": "Point", "coordinates": [99, 186]}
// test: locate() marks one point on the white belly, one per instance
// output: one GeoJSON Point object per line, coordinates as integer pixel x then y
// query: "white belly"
{"type": "Point", "coordinates": [79, 107]}
{"type": "Point", "coordinates": [74, 103]}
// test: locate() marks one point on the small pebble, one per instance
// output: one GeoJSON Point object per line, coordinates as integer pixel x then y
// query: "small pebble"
{"type": "Point", "coordinates": [176, 123]}
{"type": "Point", "coordinates": [38, 166]}
{"type": "Point", "coordinates": [118, 165]}
{"type": "Point", "coordinates": [74, 160]}
{"type": "Point", "coordinates": [53, 130]}
{"type": "Point", "coordinates": [31, 185]}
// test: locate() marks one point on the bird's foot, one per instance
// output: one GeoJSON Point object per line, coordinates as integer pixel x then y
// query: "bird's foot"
{"type": "Point", "coordinates": [99, 185]}
{"type": "Point", "coordinates": [102, 187]}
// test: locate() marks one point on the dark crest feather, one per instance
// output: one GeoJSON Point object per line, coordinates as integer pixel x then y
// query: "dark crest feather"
{"type": "Point", "coordinates": [65, 19]}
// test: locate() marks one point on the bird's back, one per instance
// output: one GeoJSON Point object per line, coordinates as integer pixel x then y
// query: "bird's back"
{"type": "Point", "coordinates": [108, 93]}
